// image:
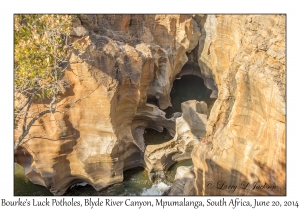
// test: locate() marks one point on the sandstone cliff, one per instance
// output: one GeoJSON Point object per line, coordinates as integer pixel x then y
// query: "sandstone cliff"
{"type": "Point", "coordinates": [122, 83]}
{"type": "Point", "coordinates": [245, 55]}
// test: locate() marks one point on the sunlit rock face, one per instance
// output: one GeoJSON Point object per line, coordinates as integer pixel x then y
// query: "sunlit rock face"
{"type": "Point", "coordinates": [245, 55]}
{"type": "Point", "coordinates": [131, 59]}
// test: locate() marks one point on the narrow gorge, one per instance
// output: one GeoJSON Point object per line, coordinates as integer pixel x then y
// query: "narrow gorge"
{"type": "Point", "coordinates": [204, 91]}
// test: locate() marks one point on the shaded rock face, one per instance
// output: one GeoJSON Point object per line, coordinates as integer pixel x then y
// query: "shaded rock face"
{"type": "Point", "coordinates": [183, 182]}
{"type": "Point", "coordinates": [121, 84]}
{"type": "Point", "coordinates": [245, 55]}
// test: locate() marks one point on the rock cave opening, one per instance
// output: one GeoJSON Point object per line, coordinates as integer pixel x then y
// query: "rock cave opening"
{"type": "Point", "coordinates": [188, 87]}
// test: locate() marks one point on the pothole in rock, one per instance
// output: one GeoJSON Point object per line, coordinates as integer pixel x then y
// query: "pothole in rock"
{"type": "Point", "coordinates": [153, 137]}
{"type": "Point", "coordinates": [189, 87]}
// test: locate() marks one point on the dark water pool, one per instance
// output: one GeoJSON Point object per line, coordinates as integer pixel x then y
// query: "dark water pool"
{"type": "Point", "coordinates": [189, 87]}
{"type": "Point", "coordinates": [152, 136]}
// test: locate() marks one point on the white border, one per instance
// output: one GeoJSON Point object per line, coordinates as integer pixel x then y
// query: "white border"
{"type": "Point", "coordinates": [8, 8]}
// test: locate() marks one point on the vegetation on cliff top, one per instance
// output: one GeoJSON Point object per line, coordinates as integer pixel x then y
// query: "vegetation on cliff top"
{"type": "Point", "coordinates": [42, 46]}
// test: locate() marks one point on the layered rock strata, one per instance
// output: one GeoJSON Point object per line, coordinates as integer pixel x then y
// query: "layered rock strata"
{"type": "Point", "coordinates": [245, 55]}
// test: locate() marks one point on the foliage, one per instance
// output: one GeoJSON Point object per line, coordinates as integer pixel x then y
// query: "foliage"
{"type": "Point", "coordinates": [42, 46]}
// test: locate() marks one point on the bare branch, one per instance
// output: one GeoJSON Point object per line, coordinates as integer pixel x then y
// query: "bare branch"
{"type": "Point", "coordinates": [80, 99]}
{"type": "Point", "coordinates": [26, 114]}
{"type": "Point", "coordinates": [28, 128]}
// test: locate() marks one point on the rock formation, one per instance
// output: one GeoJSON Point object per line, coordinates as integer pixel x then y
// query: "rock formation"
{"type": "Point", "coordinates": [121, 84]}
{"type": "Point", "coordinates": [245, 55]}
{"type": "Point", "coordinates": [190, 128]}
{"type": "Point", "coordinates": [132, 59]}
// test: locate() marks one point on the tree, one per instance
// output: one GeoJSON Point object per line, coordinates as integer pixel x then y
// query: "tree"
{"type": "Point", "coordinates": [42, 46]}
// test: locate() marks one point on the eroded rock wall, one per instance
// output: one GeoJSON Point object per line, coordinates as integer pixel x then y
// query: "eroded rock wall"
{"type": "Point", "coordinates": [131, 59]}
{"type": "Point", "coordinates": [245, 55]}
{"type": "Point", "coordinates": [190, 129]}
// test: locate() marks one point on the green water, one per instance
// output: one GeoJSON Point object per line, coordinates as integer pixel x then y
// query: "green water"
{"type": "Point", "coordinates": [135, 180]}
{"type": "Point", "coordinates": [135, 183]}
{"type": "Point", "coordinates": [22, 185]}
